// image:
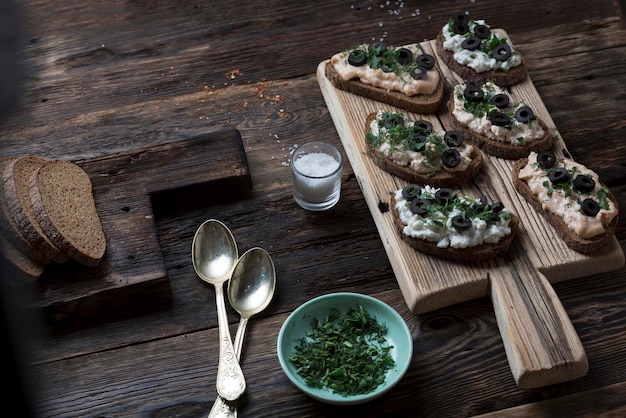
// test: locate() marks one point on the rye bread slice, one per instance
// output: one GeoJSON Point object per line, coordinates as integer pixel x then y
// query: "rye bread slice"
{"type": "Point", "coordinates": [62, 198]}
{"type": "Point", "coordinates": [478, 253]}
{"type": "Point", "coordinates": [420, 103]}
{"type": "Point", "coordinates": [499, 77]}
{"type": "Point", "coordinates": [573, 241]}
{"type": "Point", "coordinates": [441, 178]}
{"type": "Point", "coordinates": [17, 176]}
{"type": "Point", "coordinates": [501, 149]}
{"type": "Point", "coordinates": [19, 267]}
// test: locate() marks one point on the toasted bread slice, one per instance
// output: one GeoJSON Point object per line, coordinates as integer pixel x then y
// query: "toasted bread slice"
{"type": "Point", "coordinates": [569, 236]}
{"type": "Point", "coordinates": [63, 203]}
{"type": "Point", "coordinates": [497, 148]}
{"type": "Point", "coordinates": [476, 253]}
{"type": "Point", "coordinates": [417, 103]}
{"type": "Point", "coordinates": [438, 178]}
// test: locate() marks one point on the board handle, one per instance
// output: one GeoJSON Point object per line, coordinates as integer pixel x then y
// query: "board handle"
{"type": "Point", "coordinates": [540, 341]}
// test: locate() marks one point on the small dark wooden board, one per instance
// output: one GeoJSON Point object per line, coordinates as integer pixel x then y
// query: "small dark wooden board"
{"type": "Point", "coordinates": [129, 189]}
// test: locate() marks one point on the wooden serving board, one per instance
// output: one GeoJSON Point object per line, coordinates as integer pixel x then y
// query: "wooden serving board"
{"type": "Point", "coordinates": [130, 189]}
{"type": "Point", "coordinates": [541, 343]}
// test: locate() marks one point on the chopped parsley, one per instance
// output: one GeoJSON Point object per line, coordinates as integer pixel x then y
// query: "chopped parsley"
{"type": "Point", "coordinates": [403, 136]}
{"type": "Point", "coordinates": [346, 352]}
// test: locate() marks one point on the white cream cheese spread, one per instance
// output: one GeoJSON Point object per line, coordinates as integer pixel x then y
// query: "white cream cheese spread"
{"type": "Point", "coordinates": [475, 116]}
{"type": "Point", "coordinates": [395, 144]}
{"type": "Point", "coordinates": [482, 226]}
{"type": "Point", "coordinates": [564, 200]}
{"type": "Point", "coordinates": [479, 59]}
{"type": "Point", "coordinates": [400, 80]}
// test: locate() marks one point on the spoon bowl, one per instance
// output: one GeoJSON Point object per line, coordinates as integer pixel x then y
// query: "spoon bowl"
{"type": "Point", "coordinates": [252, 285]}
{"type": "Point", "coordinates": [214, 254]}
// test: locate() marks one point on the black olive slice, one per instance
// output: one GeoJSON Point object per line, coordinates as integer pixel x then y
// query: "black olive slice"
{"type": "Point", "coordinates": [411, 191]}
{"type": "Point", "coordinates": [386, 68]}
{"type": "Point", "coordinates": [584, 184]}
{"type": "Point", "coordinates": [473, 93]}
{"type": "Point", "coordinates": [524, 114]}
{"type": "Point", "coordinates": [460, 24]}
{"type": "Point", "coordinates": [423, 126]}
{"type": "Point", "coordinates": [482, 203]}
{"type": "Point", "coordinates": [445, 194]}
{"type": "Point", "coordinates": [405, 56]}
{"type": "Point", "coordinates": [425, 61]}
{"type": "Point", "coordinates": [482, 31]}
{"type": "Point", "coordinates": [417, 143]}
{"type": "Point", "coordinates": [546, 159]}
{"type": "Point", "coordinates": [451, 158]}
{"type": "Point", "coordinates": [499, 119]}
{"type": "Point", "coordinates": [590, 207]}
{"type": "Point", "coordinates": [502, 52]}
{"type": "Point", "coordinates": [357, 57]}
{"type": "Point", "coordinates": [497, 207]}
{"type": "Point", "coordinates": [500, 100]}
{"type": "Point", "coordinates": [472, 43]}
{"type": "Point", "coordinates": [461, 17]}
{"type": "Point", "coordinates": [460, 223]}
{"type": "Point", "coordinates": [453, 138]}
{"type": "Point", "coordinates": [392, 120]}
{"type": "Point", "coordinates": [559, 175]}
{"type": "Point", "coordinates": [419, 206]}
{"type": "Point", "coordinates": [377, 48]}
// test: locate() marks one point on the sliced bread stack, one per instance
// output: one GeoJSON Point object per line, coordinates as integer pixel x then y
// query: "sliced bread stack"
{"type": "Point", "coordinates": [47, 214]}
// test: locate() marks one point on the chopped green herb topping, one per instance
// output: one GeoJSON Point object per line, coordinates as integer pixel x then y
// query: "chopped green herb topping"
{"type": "Point", "coordinates": [346, 352]}
{"type": "Point", "coordinates": [403, 136]}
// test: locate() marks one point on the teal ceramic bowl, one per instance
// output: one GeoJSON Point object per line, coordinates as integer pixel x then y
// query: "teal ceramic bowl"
{"type": "Point", "coordinates": [299, 322]}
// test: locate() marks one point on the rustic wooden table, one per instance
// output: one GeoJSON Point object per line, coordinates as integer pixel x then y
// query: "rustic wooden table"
{"type": "Point", "coordinates": [109, 77]}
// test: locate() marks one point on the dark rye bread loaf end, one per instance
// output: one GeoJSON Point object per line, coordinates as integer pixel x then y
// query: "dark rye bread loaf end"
{"type": "Point", "coordinates": [440, 178]}
{"type": "Point", "coordinates": [573, 241]}
{"type": "Point", "coordinates": [501, 149]}
{"type": "Point", "coordinates": [419, 103]}
{"type": "Point", "coordinates": [477, 253]}
{"type": "Point", "coordinates": [499, 77]}
{"type": "Point", "coordinates": [17, 177]}
{"type": "Point", "coordinates": [62, 198]}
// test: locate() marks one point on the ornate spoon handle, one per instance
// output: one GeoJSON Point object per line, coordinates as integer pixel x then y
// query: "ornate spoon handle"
{"type": "Point", "coordinates": [221, 409]}
{"type": "Point", "coordinates": [230, 380]}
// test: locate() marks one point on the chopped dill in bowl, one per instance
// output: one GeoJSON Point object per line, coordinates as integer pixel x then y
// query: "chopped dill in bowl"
{"type": "Point", "coordinates": [347, 353]}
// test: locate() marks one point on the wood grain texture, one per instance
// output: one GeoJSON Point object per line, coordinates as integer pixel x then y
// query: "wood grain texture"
{"type": "Point", "coordinates": [108, 77]}
{"type": "Point", "coordinates": [128, 189]}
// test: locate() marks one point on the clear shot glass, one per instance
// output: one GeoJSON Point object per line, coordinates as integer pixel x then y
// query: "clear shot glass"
{"type": "Point", "coordinates": [316, 168]}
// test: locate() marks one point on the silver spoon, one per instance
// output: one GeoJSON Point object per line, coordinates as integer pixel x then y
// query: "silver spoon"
{"type": "Point", "coordinates": [250, 290]}
{"type": "Point", "coordinates": [214, 254]}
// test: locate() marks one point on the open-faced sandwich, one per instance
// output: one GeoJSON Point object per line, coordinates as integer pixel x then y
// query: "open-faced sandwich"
{"type": "Point", "coordinates": [442, 223]}
{"type": "Point", "coordinates": [489, 119]}
{"type": "Point", "coordinates": [404, 77]}
{"type": "Point", "coordinates": [474, 52]}
{"type": "Point", "coordinates": [570, 196]}
{"type": "Point", "coordinates": [418, 153]}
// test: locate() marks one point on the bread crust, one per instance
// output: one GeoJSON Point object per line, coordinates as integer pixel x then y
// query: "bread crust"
{"type": "Point", "coordinates": [16, 177]}
{"type": "Point", "coordinates": [501, 149]}
{"type": "Point", "coordinates": [573, 241]}
{"type": "Point", "coordinates": [477, 253]}
{"type": "Point", "coordinates": [420, 103]}
{"type": "Point", "coordinates": [499, 77]}
{"type": "Point", "coordinates": [441, 178]}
